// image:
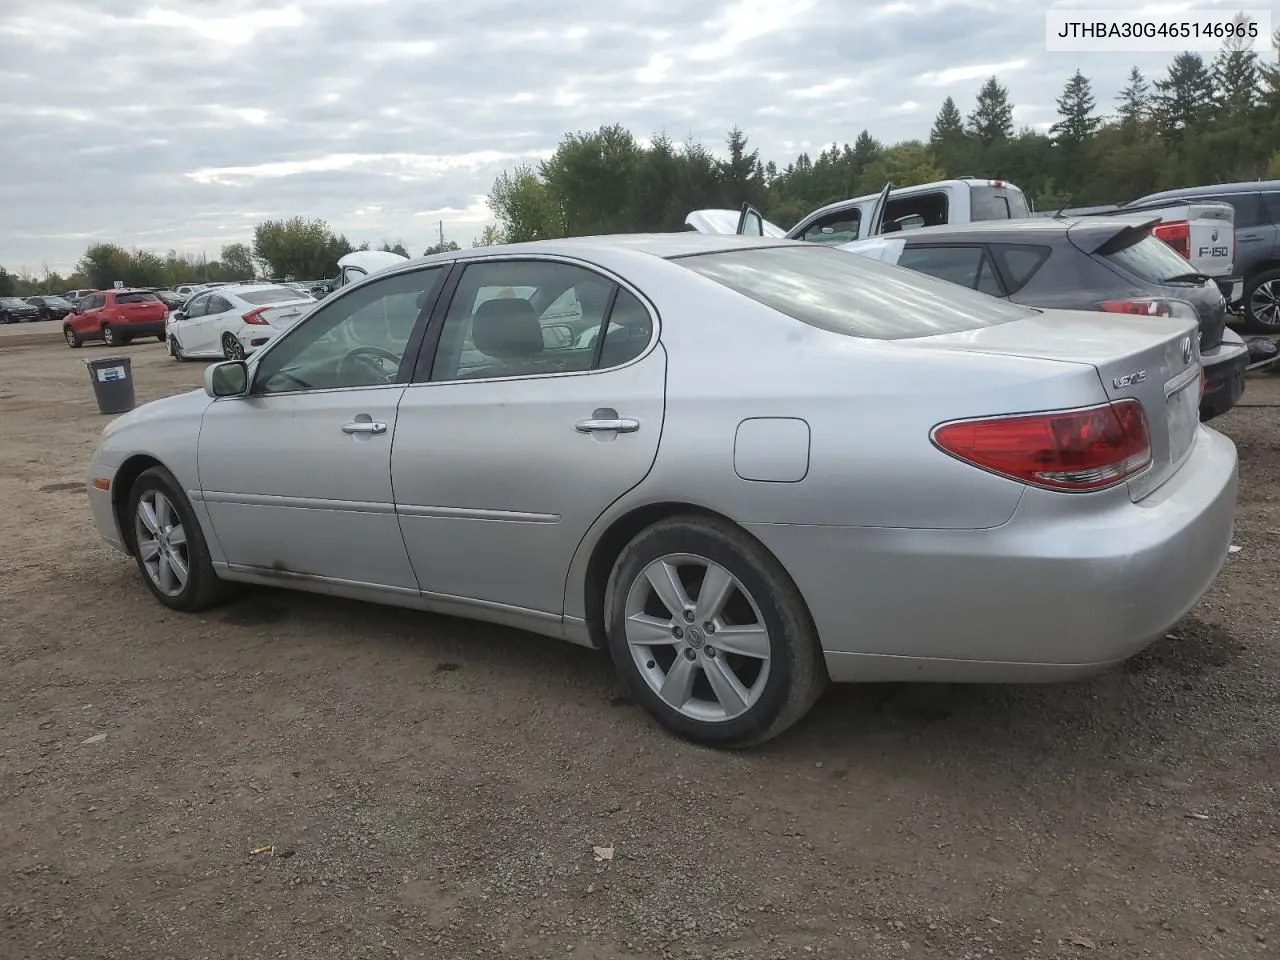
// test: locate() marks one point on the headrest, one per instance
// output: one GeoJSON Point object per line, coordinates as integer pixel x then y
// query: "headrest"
{"type": "Point", "coordinates": [506, 329]}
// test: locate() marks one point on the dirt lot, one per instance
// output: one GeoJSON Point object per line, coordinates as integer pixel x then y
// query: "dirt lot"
{"type": "Point", "coordinates": [435, 788]}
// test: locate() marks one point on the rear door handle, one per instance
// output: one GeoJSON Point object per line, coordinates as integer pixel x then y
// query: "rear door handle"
{"type": "Point", "coordinates": [617, 425]}
{"type": "Point", "coordinates": [364, 426]}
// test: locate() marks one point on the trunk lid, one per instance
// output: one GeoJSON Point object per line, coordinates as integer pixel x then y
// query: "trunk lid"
{"type": "Point", "coordinates": [282, 316]}
{"type": "Point", "coordinates": [143, 311]}
{"type": "Point", "coordinates": [1154, 360]}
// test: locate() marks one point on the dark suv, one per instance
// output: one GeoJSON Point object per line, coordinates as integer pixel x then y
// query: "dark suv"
{"type": "Point", "coordinates": [1082, 263]}
{"type": "Point", "coordinates": [1257, 207]}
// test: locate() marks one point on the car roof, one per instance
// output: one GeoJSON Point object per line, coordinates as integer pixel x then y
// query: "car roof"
{"type": "Point", "coordinates": [1212, 190]}
{"type": "Point", "coordinates": [660, 245]}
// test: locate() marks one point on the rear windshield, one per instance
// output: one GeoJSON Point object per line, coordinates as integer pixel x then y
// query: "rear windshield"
{"type": "Point", "coordinates": [997, 203]}
{"type": "Point", "coordinates": [1151, 259]}
{"type": "Point", "coordinates": [139, 297]}
{"type": "Point", "coordinates": [56, 302]}
{"type": "Point", "coordinates": [270, 295]}
{"type": "Point", "coordinates": [834, 290]}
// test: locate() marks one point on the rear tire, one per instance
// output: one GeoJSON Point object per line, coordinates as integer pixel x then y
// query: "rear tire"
{"type": "Point", "coordinates": [729, 672]}
{"type": "Point", "coordinates": [232, 348]}
{"type": "Point", "coordinates": [160, 337]}
{"type": "Point", "coordinates": [169, 546]}
{"type": "Point", "coordinates": [109, 336]}
{"type": "Point", "coordinates": [1262, 303]}
{"type": "Point", "coordinates": [73, 338]}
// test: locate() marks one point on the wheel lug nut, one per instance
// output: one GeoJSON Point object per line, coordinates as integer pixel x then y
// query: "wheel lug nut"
{"type": "Point", "coordinates": [677, 632]}
{"type": "Point", "coordinates": [711, 651]}
{"type": "Point", "coordinates": [650, 665]}
{"type": "Point", "coordinates": [690, 655]}
{"type": "Point", "coordinates": [709, 627]}
{"type": "Point", "coordinates": [688, 615]}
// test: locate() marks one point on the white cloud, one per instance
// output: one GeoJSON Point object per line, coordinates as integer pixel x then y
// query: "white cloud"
{"type": "Point", "coordinates": [954, 75]}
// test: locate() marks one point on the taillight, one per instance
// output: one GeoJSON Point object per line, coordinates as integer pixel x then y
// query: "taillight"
{"type": "Point", "coordinates": [254, 317]}
{"type": "Point", "coordinates": [1176, 235]}
{"type": "Point", "coordinates": [1087, 449]}
{"type": "Point", "coordinates": [1151, 307]}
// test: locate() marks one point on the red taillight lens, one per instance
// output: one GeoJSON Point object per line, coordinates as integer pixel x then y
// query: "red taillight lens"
{"type": "Point", "coordinates": [1176, 235]}
{"type": "Point", "coordinates": [254, 317]}
{"type": "Point", "coordinates": [1087, 449]}
{"type": "Point", "coordinates": [1151, 307]}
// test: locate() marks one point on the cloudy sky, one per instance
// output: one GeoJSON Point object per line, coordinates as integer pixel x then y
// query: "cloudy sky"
{"type": "Point", "coordinates": [178, 124]}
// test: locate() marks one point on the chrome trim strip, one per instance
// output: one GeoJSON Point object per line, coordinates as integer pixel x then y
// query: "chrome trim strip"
{"type": "Point", "coordinates": [475, 513]}
{"type": "Point", "coordinates": [299, 503]}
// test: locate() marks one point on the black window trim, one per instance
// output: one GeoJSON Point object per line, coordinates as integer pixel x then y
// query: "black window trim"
{"type": "Point", "coordinates": [435, 327]}
{"type": "Point", "coordinates": [1006, 279]}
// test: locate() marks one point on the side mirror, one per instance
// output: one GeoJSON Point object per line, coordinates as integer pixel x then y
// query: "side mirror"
{"type": "Point", "coordinates": [179, 315]}
{"type": "Point", "coordinates": [227, 379]}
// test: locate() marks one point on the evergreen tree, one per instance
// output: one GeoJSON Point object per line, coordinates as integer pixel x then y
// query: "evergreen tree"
{"type": "Point", "coordinates": [948, 127]}
{"type": "Point", "coordinates": [1075, 107]}
{"type": "Point", "coordinates": [866, 151]}
{"type": "Point", "coordinates": [1236, 75]}
{"type": "Point", "coordinates": [992, 117]}
{"type": "Point", "coordinates": [1184, 99]}
{"type": "Point", "coordinates": [1135, 101]}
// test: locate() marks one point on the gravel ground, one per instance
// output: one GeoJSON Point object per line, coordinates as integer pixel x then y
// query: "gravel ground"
{"type": "Point", "coordinates": [435, 788]}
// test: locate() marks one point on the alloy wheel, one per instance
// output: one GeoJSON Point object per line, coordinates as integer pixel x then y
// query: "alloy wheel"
{"type": "Point", "coordinates": [697, 637]}
{"type": "Point", "coordinates": [232, 348]}
{"type": "Point", "coordinates": [162, 543]}
{"type": "Point", "coordinates": [1264, 304]}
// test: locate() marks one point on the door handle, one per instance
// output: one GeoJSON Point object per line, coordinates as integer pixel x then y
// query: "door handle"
{"type": "Point", "coordinates": [1248, 239]}
{"type": "Point", "coordinates": [364, 426]}
{"type": "Point", "coordinates": [616, 425]}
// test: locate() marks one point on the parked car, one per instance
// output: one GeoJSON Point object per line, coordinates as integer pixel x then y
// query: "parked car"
{"type": "Point", "coordinates": [360, 263]}
{"type": "Point", "coordinates": [189, 290]}
{"type": "Point", "coordinates": [796, 464]}
{"type": "Point", "coordinates": [1201, 231]}
{"type": "Point", "coordinates": [171, 298]}
{"type": "Point", "coordinates": [115, 317]}
{"type": "Point", "coordinates": [1088, 263]}
{"type": "Point", "coordinates": [233, 321]}
{"type": "Point", "coordinates": [51, 307]}
{"type": "Point", "coordinates": [962, 200]}
{"type": "Point", "coordinates": [74, 295]}
{"type": "Point", "coordinates": [1256, 241]}
{"type": "Point", "coordinates": [17, 310]}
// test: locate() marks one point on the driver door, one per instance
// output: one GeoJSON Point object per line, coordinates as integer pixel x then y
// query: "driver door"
{"type": "Point", "coordinates": [188, 330]}
{"type": "Point", "coordinates": [296, 474]}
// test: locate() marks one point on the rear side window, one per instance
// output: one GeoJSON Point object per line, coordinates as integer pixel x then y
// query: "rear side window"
{"type": "Point", "coordinates": [271, 295]}
{"type": "Point", "coordinates": [997, 203]}
{"type": "Point", "coordinates": [855, 296]}
{"type": "Point", "coordinates": [1152, 260]}
{"type": "Point", "coordinates": [140, 297]}
{"type": "Point", "coordinates": [1248, 207]}
{"type": "Point", "coordinates": [953, 264]}
{"type": "Point", "coordinates": [1272, 203]}
{"type": "Point", "coordinates": [1019, 262]}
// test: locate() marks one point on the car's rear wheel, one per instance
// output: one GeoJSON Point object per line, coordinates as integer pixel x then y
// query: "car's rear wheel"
{"type": "Point", "coordinates": [1262, 302]}
{"type": "Point", "coordinates": [232, 348]}
{"type": "Point", "coordinates": [73, 338]}
{"type": "Point", "coordinates": [711, 634]}
{"type": "Point", "coordinates": [160, 337]}
{"type": "Point", "coordinates": [109, 336]}
{"type": "Point", "coordinates": [168, 545]}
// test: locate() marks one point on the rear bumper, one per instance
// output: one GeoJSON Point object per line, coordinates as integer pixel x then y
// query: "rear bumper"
{"type": "Point", "coordinates": [1062, 590]}
{"type": "Point", "coordinates": [152, 328]}
{"type": "Point", "coordinates": [253, 337]}
{"type": "Point", "coordinates": [1224, 369]}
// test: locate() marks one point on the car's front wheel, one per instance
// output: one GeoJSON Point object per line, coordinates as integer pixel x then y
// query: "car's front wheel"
{"type": "Point", "coordinates": [232, 348]}
{"type": "Point", "coordinates": [711, 634]}
{"type": "Point", "coordinates": [169, 547]}
{"type": "Point", "coordinates": [175, 350]}
{"type": "Point", "coordinates": [73, 338]}
{"type": "Point", "coordinates": [1262, 302]}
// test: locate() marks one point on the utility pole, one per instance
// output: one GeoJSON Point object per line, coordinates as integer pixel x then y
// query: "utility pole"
{"type": "Point", "coordinates": [440, 223]}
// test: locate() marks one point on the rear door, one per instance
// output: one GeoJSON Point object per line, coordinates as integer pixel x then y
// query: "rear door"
{"type": "Point", "coordinates": [510, 443]}
{"type": "Point", "coordinates": [1255, 234]}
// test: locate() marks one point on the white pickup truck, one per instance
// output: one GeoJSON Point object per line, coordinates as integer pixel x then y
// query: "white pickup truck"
{"type": "Point", "coordinates": [1202, 231]}
{"type": "Point", "coordinates": [961, 200]}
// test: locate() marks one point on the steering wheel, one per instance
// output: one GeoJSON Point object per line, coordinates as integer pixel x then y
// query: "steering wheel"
{"type": "Point", "coordinates": [383, 364]}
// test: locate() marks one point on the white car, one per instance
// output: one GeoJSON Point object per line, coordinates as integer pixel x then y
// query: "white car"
{"type": "Point", "coordinates": [232, 322]}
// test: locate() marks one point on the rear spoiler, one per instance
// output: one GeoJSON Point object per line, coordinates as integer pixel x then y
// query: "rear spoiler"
{"type": "Point", "coordinates": [1126, 236]}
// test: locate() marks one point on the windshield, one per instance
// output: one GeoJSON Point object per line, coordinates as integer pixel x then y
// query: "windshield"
{"type": "Point", "coordinates": [998, 203]}
{"type": "Point", "coordinates": [1151, 259]}
{"type": "Point", "coordinates": [269, 295]}
{"type": "Point", "coordinates": [827, 288]}
{"type": "Point", "coordinates": [13, 302]}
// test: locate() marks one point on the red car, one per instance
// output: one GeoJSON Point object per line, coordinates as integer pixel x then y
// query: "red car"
{"type": "Point", "coordinates": [115, 317]}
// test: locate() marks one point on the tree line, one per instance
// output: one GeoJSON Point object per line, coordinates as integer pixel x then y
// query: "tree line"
{"type": "Point", "coordinates": [1201, 122]}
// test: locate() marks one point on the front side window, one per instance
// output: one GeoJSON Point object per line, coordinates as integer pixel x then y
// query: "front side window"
{"type": "Point", "coordinates": [854, 296]}
{"type": "Point", "coordinates": [198, 307]}
{"type": "Point", "coordinates": [839, 227]}
{"type": "Point", "coordinates": [515, 318]}
{"type": "Point", "coordinates": [357, 340]}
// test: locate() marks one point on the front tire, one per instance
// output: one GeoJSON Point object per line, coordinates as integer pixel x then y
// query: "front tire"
{"type": "Point", "coordinates": [169, 546]}
{"type": "Point", "coordinates": [711, 634]}
{"type": "Point", "coordinates": [175, 350]}
{"type": "Point", "coordinates": [73, 338]}
{"type": "Point", "coordinates": [1262, 302]}
{"type": "Point", "coordinates": [232, 348]}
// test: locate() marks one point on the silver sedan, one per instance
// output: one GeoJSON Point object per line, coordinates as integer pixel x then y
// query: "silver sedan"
{"type": "Point", "coordinates": [744, 466]}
